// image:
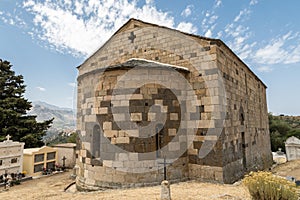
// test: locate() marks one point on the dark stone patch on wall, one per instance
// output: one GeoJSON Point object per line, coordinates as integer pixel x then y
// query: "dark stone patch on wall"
{"type": "Point", "coordinates": [103, 58]}
{"type": "Point", "coordinates": [213, 158]}
{"type": "Point", "coordinates": [193, 55]}
{"type": "Point", "coordinates": [211, 71]}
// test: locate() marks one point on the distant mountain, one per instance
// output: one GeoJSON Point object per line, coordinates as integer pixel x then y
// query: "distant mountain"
{"type": "Point", "coordinates": [49, 106]}
{"type": "Point", "coordinates": [64, 118]}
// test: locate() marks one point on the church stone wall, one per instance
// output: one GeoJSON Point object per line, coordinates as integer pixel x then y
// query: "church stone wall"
{"type": "Point", "coordinates": [246, 139]}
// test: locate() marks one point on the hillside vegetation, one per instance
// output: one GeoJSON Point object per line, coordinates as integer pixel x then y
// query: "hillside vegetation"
{"type": "Point", "coordinates": [281, 128]}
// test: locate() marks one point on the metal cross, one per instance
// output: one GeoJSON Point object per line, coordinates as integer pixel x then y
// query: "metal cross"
{"type": "Point", "coordinates": [64, 159]}
{"type": "Point", "coordinates": [132, 37]}
{"type": "Point", "coordinates": [165, 168]}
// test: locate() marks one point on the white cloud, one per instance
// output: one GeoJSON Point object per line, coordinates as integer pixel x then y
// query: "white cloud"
{"type": "Point", "coordinates": [41, 89]}
{"type": "Point", "coordinates": [294, 56]}
{"type": "Point", "coordinates": [187, 27]}
{"type": "Point", "coordinates": [213, 19]}
{"type": "Point", "coordinates": [265, 69]}
{"type": "Point", "coordinates": [6, 18]}
{"type": "Point", "coordinates": [72, 84]}
{"type": "Point", "coordinates": [247, 50]}
{"type": "Point", "coordinates": [28, 3]}
{"type": "Point", "coordinates": [78, 8]}
{"type": "Point", "coordinates": [238, 35]}
{"type": "Point", "coordinates": [149, 1]}
{"type": "Point", "coordinates": [209, 21]}
{"type": "Point", "coordinates": [271, 53]}
{"type": "Point", "coordinates": [253, 2]}
{"type": "Point", "coordinates": [208, 33]}
{"type": "Point", "coordinates": [217, 3]}
{"type": "Point", "coordinates": [279, 51]}
{"type": "Point", "coordinates": [187, 11]}
{"type": "Point", "coordinates": [243, 13]}
{"type": "Point", "coordinates": [81, 27]}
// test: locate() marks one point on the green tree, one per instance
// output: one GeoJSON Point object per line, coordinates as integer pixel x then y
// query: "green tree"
{"type": "Point", "coordinates": [13, 109]}
{"type": "Point", "coordinates": [281, 128]}
{"type": "Point", "coordinates": [294, 132]}
{"type": "Point", "coordinates": [62, 137]}
{"type": "Point", "coordinates": [277, 141]}
{"type": "Point", "coordinates": [72, 138]}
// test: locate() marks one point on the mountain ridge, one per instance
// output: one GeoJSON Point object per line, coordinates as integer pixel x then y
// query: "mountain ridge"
{"type": "Point", "coordinates": [64, 118]}
{"type": "Point", "coordinates": [51, 106]}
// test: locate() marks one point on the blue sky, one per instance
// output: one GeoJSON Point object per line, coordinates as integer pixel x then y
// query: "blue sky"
{"type": "Point", "coordinates": [46, 40]}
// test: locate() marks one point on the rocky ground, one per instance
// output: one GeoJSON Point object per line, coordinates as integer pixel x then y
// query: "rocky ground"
{"type": "Point", "coordinates": [52, 187]}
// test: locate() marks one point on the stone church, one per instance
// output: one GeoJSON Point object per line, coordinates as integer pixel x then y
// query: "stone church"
{"type": "Point", "coordinates": [155, 103]}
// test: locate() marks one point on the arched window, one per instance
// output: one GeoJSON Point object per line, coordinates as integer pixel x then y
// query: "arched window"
{"type": "Point", "coordinates": [242, 116]}
{"type": "Point", "coordinates": [96, 142]}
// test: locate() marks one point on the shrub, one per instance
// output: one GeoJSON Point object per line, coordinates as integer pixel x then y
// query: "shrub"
{"type": "Point", "coordinates": [266, 186]}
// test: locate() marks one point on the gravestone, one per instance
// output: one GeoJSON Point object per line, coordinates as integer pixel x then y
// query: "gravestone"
{"type": "Point", "coordinates": [165, 190]}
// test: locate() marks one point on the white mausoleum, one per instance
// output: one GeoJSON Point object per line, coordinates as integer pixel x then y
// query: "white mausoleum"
{"type": "Point", "coordinates": [292, 147]}
{"type": "Point", "coordinates": [11, 156]}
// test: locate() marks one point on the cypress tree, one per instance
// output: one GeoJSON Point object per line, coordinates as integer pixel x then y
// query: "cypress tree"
{"type": "Point", "coordinates": [13, 110]}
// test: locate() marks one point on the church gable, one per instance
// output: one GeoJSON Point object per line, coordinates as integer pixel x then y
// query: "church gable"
{"type": "Point", "coordinates": [137, 39]}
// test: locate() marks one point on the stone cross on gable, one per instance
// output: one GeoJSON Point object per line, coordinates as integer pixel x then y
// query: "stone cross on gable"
{"type": "Point", "coordinates": [132, 37]}
{"type": "Point", "coordinates": [8, 137]}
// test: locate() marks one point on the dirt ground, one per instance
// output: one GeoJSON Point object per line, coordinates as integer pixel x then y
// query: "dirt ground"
{"type": "Point", "coordinates": [52, 187]}
{"type": "Point", "coordinates": [291, 168]}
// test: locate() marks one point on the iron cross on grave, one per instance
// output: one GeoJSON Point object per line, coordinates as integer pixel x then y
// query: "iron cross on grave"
{"type": "Point", "coordinates": [64, 160]}
{"type": "Point", "coordinates": [165, 167]}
